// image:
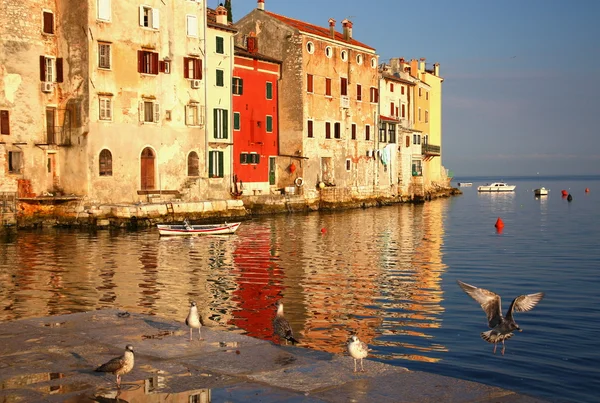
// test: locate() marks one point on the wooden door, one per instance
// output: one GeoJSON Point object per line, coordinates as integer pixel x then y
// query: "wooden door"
{"type": "Point", "coordinates": [147, 169]}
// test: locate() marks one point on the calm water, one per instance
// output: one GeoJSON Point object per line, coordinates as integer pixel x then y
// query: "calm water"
{"type": "Point", "coordinates": [388, 274]}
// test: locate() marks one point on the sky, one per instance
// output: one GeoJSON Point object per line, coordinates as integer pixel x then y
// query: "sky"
{"type": "Point", "coordinates": [521, 91]}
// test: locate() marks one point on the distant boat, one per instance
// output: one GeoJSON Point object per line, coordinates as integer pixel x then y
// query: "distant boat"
{"type": "Point", "coordinates": [199, 229]}
{"type": "Point", "coordinates": [465, 184]}
{"type": "Point", "coordinates": [541, 191]}
{"type": "Point", "coordinates": [496, 187]}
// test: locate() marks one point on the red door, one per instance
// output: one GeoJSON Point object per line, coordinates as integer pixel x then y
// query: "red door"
{"type": "Point", "coordinates": [147, 169]}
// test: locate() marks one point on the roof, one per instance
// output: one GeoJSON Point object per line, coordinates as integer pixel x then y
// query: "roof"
{"type": "Point", "coordinates": [240, 51]}
{"type": "Point", "coordinates": [211, 21]}
{"type": "Point", "coordinates": [397, 79]}
{"type": "Point", "coordinates": [316, 30]}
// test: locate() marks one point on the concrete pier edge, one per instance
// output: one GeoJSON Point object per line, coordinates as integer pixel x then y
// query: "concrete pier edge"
{"type": "Point", "coordinates": [52, 359]}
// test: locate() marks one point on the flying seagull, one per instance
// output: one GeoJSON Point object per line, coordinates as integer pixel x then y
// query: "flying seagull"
{"type": "Point", "coordinates": [502, 327]}
{"type": "Point", "coordinates": [194, 320]}
{"type": "Point", "coordinates": [358, 350]}
{"type": "Point", "coordinates": [281, 326]}
{"type": "Point", "coordinates": [119, 365]}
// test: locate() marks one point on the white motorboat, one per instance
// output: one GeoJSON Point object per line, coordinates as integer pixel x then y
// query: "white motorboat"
{"type": "Point", "coordinates": [541, 191]}
{"type": "Point", "coordinates": [496, 187]}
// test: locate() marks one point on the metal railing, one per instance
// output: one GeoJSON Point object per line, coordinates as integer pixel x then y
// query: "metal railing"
{"type": "Point", "coordinates": [59, 135]}
{"type": "Point", "coordinates": [428, 149]}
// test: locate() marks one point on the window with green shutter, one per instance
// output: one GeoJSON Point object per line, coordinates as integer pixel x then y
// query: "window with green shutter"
{"type": "Point", "coordinates": [215, 164]}
{"type": "Point", "coordinates": [269, 124]}
{"type": "Point", "coordinates": [220, 80]}
{"type": "Point", "coordinates": [236, 121]}
{"type": "Point", "coordinates": [220, 123]}
{"type": "Point", "coordinates": [269, 90]}
{"type": "Point", "coordinates": [220, 45]}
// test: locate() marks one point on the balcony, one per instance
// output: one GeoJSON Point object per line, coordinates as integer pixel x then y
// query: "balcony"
{"type": "Point", "coordinates": [429, 151]}
{"type": "Point", "coordinates": [58, 136]}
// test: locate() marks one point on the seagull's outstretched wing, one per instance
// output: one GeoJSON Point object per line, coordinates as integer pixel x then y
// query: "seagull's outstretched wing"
{"type": "Point", "coordinates": [489, 301]}
{"type": "Point", "coordinates": [524, 303]}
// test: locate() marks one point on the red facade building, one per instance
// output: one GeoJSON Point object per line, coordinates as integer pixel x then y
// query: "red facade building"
{"type": "Point", "coordinates": [255, 119]}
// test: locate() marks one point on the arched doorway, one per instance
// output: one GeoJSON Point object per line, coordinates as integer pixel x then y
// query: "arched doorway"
{"type": "Point", "coordinates": [147, 166]}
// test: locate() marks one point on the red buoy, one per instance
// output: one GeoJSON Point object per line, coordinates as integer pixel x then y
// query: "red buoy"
{"type": "Point", "coordinates": [323, 230]}
{"type": "Point", "coordinates": [564, 192]}
{"type": "Point", "coordinates": [499, 223]}
{"type": "Point", "coordinates": [587, 190]}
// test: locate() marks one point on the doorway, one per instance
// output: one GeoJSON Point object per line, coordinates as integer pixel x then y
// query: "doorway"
{"type": "Point", "coordinates": [147, 169]}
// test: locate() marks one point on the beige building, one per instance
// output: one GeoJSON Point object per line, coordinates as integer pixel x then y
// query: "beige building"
{"type": "Point", "coordinates": [106, 99]}
{"type": "Point", "coordinates": [327, 104]}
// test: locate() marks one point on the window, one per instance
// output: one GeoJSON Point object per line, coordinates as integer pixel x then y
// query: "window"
{"type": "Point", "coordinates": [193, 164]}
{"type": "Point", "coordinates": [249, 158]}
{"type": "Point", "coordinates": [382, 137]}
{"type": "Point", "coordinates": [238, 86]}
{"type": "Point", "coordinates": [367, 132]}
{"type": "Point", "coordinates": [309, 129]}
{"type": "Point", "coordinates": [149, 111]}
{"type": "Point", "coordinates": [420, 91]}
{"type": "Point", "coordinates": [419, 114]}
{"type": "Point", "coordinates": [391, 133]}
{"type": "Point", "coordinates": [51, 69]}
{"type": "Point", "coordinates": [391, 87]}
{"type": "Point", "coordinates": [426, 116]}
{"type": "Point", "coordinates": [15, 162]}
{"type": "Point", "coordinates": [192, 25]}
{"type": "Point", "coordinates": [343, 86]}
{"type": "Point", "coordinates": [374, 95]}
{"type": "Point", "coordinates": [392, 109]}
{"type": "Point", "coordinates": [402, 89]}
{"type": "Point", "coordinates": [358, 92]}
{"type": "Point", "coordinates": [416, 139]}
{"type": "Point", "coordinates": [328, 87]}
{"type": "Point", "coordinates": [417, 168]}
{"type": "Point", "coordinates": [427, 95]}
{"type": "Point", "coordinates": [344, 55]}
{"type": "Point", "coordinates": [359, 59]}
{"type": "Point", "coordinates": [353, 131]}
{"type": "Point", "coordinates": [215, 164]}
{"type": "Point", "coordinates": [403, 109]}
{"type": "Point", "coordinates": [192, 68]}
{"type": "Point", "coordinates": [105, 162]}
{"type": "Point", "coordinates": [348, 164]}
{"type": "Point", "coordinates": [104, 55]}
{"type": "Point", "coordinates": [147, 62]}
{"type": "Point", "coordinates": [328, 51]}
{"type": "Point", "coordinates": [337, 130]}
{"type": "Point", "coordinates": [327, 130]}
{"type": "Point", "coordinates": [105, 108]}
{"type": "Point", "coordinates": [373, 62]}
{"type": "Point", "coordinates": [50, 125]}
{"type": "Point", "coordinates": [104, 10]}
{"type": "Point", "coordinates": [149, 17]}
{"type": "Point", "coordinates": [269, 124]}
{"type": "Point", "coordinates": [309, 83]}
{"type": "Point", "coordinates": [236, 121]}
{"type": "Point", "coordinates": [4, 122]}
{"type": "Point", "coordinates": [192, 114]}
{"type": "Point", "coordinates": [269, 90]}
{"type": "Point", "coordinates": [220, 79]}
{"type": "Point", "coordinates": [310, 47]}
{"type": "Point", "coordinates": [220, 123]}
{"type": "Point", "coordinates": [220, 45]}
{"type": "Point", "coordinates": [48, 22]}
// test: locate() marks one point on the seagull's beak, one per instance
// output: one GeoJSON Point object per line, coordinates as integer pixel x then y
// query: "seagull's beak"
{"type": "Point", "coordinates": [519, 329]}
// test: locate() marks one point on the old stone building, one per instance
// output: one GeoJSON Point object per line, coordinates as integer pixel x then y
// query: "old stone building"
{"type": "Point", "coordinates": [328, 104]}
{"type": "Point", "coordinates": [107, 100]}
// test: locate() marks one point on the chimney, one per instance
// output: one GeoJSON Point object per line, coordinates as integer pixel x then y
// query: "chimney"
{"type": "Point", "coordinates": [332, 28]}
{"type": "Point", "coordinates": [436, 69]}
{"type": "Point", "coordinates": [414, 68]}
{"type": "Point", "coordinates": [261, 5]}
{"type": "Point", "coordinates": [252, 43]}
{"type": "Point", "coordinates": [347, 24]}
{"type": "Point", "coordinates": [221, 15]}
{"type": "Point", "coordinates": [422, 64]}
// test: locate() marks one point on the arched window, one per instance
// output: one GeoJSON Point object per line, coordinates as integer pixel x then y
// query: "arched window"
{"type": "Point", "coordinates": [105, 163]}
{"type": "Point", "coordinates": [193, 164]}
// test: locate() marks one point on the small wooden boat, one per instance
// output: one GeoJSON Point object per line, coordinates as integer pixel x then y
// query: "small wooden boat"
{"type": "Point", "coordinates": [541, 191]}
{"type": "Point", "coordinates": [198, 229]}
{"type": "Point", "coordinates": [496, 187]}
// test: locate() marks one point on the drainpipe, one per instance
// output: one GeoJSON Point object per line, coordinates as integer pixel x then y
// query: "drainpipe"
{"type": "Point", "coordinates": [205, 75]}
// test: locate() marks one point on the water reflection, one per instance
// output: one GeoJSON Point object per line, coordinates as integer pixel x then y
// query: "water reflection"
{"type": "Point", "coordinates": [375, 273]}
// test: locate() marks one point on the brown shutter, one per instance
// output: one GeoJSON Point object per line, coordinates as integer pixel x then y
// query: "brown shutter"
{"type": "Point", "coordinates": [4, 123]}
{"type": "Point", "coordinates": [42, 68]}
{"type": "Point", "coordinates": [186, 68]}
{"type": "Point", "coordinates": [154, 63]}
{"type": "Point", "coordinates": [140, 61]}
{"type": "Point", "coordinates": [161, 66]}
{"type": "Point", "coordinates": [59, 70]}
{"type": "Point", "coordinates": [198, 69]}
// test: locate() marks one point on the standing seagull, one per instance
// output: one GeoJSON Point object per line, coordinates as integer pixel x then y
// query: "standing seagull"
{"type": "Point", "coordinates": [119, 365]}
{"type": "Point", "coordinates": [281, 326]}
{"type": "Point", "coordinates": [194, 320]}
{"type": "Point", "coordinates": [502, 327]}
{"type": "Point", "coordinates": [358, 350]}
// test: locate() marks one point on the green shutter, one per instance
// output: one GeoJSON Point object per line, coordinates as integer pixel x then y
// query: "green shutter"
{"type": "Point", "coordinates": [241, 86]}
{"type": "Point", "coordinates": [220, 154]}
{"type": "Point", "coordinates": [216, 123]}
{"type": "Point", "coordinates": [220, 45]}
{"type": "Point", "coordinates": [210, 164]}
{"type": "Point", "coordinates": [225, 123]}
{"type": "Point", "coordinates": [236, 120]}
{"type": "Point", "coordinates": [269, 124]}
{"type": "Point", "coordinates": [219, 78]}
{"type": "Point", "coordinates": [269, 90]}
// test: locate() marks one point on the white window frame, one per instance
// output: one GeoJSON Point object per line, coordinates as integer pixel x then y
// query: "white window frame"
{"type": "Point", "coordinates": [104, 9]}
{"type": "Point", "coordinates": [105, 108]}
{"type": "Point", "coordinates": [267, 126]}
{"type": "Point", "coordinates": [310, 47]}
{"type": "Point", "coordinates": [50, 73]}
{"type": "Point", "coordinates": [15, 161]}
{"type": "Point", "coordinates": [359, 58]}
{"type": "Point", "coordinates": [192, 114]}
{"type": "Point", "coordinates": [152, 16]}
{"type": "Point", "coordinates": [104, 60]}
{"type": "Point", "coordinates": [145, 113]}
{"type": "Point", "coordinates": [328, 52]}
{"type": "Point", "coordinates": [222, 114]}
{"type": "Point", "coordinates": [192, 25]}
{"type": "Point", "coordinates": [239, 115]}
{"type": "Point", "coordinates": [344, 55]}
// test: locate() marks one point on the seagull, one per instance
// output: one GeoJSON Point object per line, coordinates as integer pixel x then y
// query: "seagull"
{"type": "Point", "coordinates": [194, 320]}
{"type": "Point", "coordinates": [358, 350]}
{"type": "Point", "coordinates": [281, 326]}
{"type": "Point", "coordinates": [502, 327]}
{"type": "Point", "coordinates": [119, 365]}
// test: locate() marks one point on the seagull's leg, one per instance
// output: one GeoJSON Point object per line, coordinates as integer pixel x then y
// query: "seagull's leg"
{"type": "Point", "coordinates": [118, 381]}
{"type": "Point", "coordinates": [495, 345]}
{"type": "Point", "coordinates": [355, 365]}
{"type": "Point", "coordinates": [503, 347]}
{"type": "Point", "coordinates": [200, 332]}
{"type": "Point", "coordinates": [362, 369]}
{"type": "Point", "coordinates": [190, 334]}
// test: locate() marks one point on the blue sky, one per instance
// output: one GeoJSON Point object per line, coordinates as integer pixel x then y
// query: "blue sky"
{"type": "Point", "coordinates": [521, 91]}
